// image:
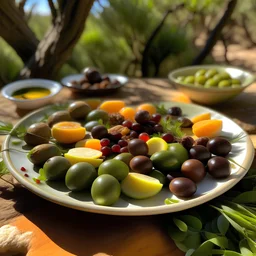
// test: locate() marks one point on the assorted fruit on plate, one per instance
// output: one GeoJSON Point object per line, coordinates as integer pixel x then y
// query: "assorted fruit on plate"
{"type": "Point", "coordinates": [210, 78]}
{"type": "Point", "coordinates": [111, 158]}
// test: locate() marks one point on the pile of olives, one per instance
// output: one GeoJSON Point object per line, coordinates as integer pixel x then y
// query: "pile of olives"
{"type": "Point", "coordinates": [93, 80]}
{"type": "Point", "coordinates": [181, 167]}
{"type": "Point", "coordinates": [210, 78]}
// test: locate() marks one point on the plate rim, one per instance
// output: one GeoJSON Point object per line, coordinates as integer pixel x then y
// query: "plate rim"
{"type": "Point", "coordinates": [140, 211]}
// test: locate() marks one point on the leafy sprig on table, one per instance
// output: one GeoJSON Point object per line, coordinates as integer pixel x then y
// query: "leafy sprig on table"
{"type": "Point", "coordinates": [226, 226]}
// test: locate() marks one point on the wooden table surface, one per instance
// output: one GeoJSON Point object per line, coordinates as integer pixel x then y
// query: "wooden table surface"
{"type": "Point", "coordinates": [60, 231]}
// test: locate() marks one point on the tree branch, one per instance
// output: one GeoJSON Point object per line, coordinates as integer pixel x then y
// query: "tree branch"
{"type": "Point", "coordinates": [56, 46]}
{"type": "Point", "coordinates": [21, 6]}
{"type": "Point", "coordinates": [223, 39]}
{"type": "Point", "coordinates": [145, 54]}
{"type": "Point", "coordinates": [216, 32]}
{"type": "Point", "coordinates": [53, 11]}
{"type": "Point", "coordinates": [15, 31]}
{"type": "Point", "coordinates": [246, 30]}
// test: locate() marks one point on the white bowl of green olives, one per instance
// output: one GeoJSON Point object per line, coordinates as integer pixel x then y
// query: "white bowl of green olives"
{"type": "Point", "coordinates": [211, 84]}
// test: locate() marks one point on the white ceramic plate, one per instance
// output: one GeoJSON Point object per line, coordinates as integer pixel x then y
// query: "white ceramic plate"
{"type": "Point", "coordinates": [242, 152]}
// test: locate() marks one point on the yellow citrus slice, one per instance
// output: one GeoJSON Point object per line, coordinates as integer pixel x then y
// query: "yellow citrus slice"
{"type": "Point", "coordinates": [89, 155]}
{"type": "Point", "coordinates": [156, 144]}
{"type": "Point", "coordinates": [201, 117]}
{"type": "Point", "coordinates": [112, 106]}
{"type": "Point", "coordinates": [68, 132]}
{"type": "Point", "coordinates": [140, 186]}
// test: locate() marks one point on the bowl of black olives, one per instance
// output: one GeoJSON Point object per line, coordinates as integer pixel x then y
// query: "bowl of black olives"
{"type": "Point", "coordinates": [91, 82]}
{"type": "Point", "coordinates": [211, 84]}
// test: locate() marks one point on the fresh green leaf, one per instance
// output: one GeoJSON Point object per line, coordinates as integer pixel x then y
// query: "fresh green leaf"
{"type": "Point", "coordinates": [233, 161]}
{"type": "Point", "coordinates": [192, 222]}
{"type": "Point", "coordinates": [175, 234]}
{"type": "Point", "coordinates": [205, 249]}
{"type": "Point", "coordinates": [173, 127]}
{"type": "Point", "coordinates": [189, 252]}
{"type": "Point", "coordinates": [222, 224]}
{"type": "Point", "coordinates": [182, 226]}
{"type": "Point", "coordinates": [5, 128]}
{"type": "Point", "coordinates": [3, 169]}
{"type": "Point", "coordinates": [231, 253]}
{"type": "Point", "coordinates": [244, 248]}
{"type": "Point", "coordinates": [161, 109]}
{"type": "Point", "coordinates": [192, 240]}
{"type": "Point", "coordinates": [246, 197]}
{"type": "Point", "coordinates": [251, 244]}
{"type": "Point", "coordinates": [42, 175]}
{"type": "Point", "coordinates": [16, 142]}
{"type": "Point", "coordinates": [171, 201]}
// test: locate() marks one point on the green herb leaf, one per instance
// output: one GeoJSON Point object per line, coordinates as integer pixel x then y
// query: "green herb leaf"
{"type": "Point", "coordinates": [182, 226]}
{"type": "Point", "coordinates": [3, 169]}
{"type": "Point", "coordinates": [171, 201]}
{"type": "Point", "coordinates": [244, 248]}
{"type": "Point", "coordinates": [246, 197]}
{"type": "Point", "coordinates": [161, 109]}
{"type": "Point", "coordinates": [231, 253]}
{"type": "Point", "coordinates": [5, 128]}
{"type": "Point", "coordinates": [16, 142]}
{"type": "Point", "coordinates": [222, 224]}
{"type": "Point", "coordinates": [173, 127]}
{"type": "Point", "coordinates": [192, 222]}
{"type": "Point", "coordinates": [42, 175]}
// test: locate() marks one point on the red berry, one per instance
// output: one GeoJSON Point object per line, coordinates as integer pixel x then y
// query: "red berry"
{"type": "Point", "coordinates": [158, 128]}
{"type": "Point", "coordinates": [168, 137]}
{"type": "Point", "coordinates": [127, 123]}
{"type": "Point", "coordinates": [124, 150]}
{"type": "Point", "coordinates": [122, 143]}
{"type": "Point", "coordinates": [115, 137]}
{"type": "Point", "coordinates": [26, 175]}
{"type": "Point", "coordinates": [137, 127]}
{"type": "Point", "coordinates": [116, 148]}
{"type": "Point", "coordinates": [133, 134]}
{"type": "Point", "coordinates": [106, 151]}
{"type": "Point", "coordinates": [104, 142]}
{"type": "Point", "coordinates": [156, 117]}
{"type": "Point", "coordinates": [23, 169]}
{"type": "Point", "coordinates": [144, 136]}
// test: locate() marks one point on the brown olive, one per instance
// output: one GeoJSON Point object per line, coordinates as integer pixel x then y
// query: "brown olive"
{"type": "Point", "coordinates": [39, 133]}
{"type": "Point", "coordinates": [201, 141]}
{"type": "Point", "coordinates": [174, 111]}
{"type": "Point", "coordinates": [142, 117]}
{"type": "Point", "coordinates": [187, 142]}
{"type": "Point", "coordinates": [141, 164]}
{"type": "Point", "coordinates": [219, 146]}
{"type": "Point", "coordinates": [200, 153]}
{"type": "Point", "coordinates": [138, 147]}
{"type": "Point", "coordinates": [193, 169]}
{"type": "Point", "coordinates": [182, 187]}
{"type": "Point", "coordinates": [79, 110]}
{"type": "Point", "coordinates": [59, 116]}
{"type": "Point", "coordinates": [185, 122]}
{"type": "Point", "coordinates": [99, 132]}
{"type": "Point", "coordinates": [219, 167]}
{"type": "Point", "coordinates": [93, 75]}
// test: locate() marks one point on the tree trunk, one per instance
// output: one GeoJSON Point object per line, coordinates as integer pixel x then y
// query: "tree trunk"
{"type": "Point", "coordinates": [56, 47]}
{"type": "Point", "coordinates": [216, 33]}
{"type": "Point", "coordinates": [15, 31]}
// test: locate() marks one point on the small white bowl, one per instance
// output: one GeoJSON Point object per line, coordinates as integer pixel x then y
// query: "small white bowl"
{"type": "Point", "coordinates": [9, 89]}
{"type": "Point", "coordinates": [211, 96]}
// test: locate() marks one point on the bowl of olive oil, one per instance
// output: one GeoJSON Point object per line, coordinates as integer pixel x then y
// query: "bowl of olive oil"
{"type": "Point", "coordinates": [31, 93]}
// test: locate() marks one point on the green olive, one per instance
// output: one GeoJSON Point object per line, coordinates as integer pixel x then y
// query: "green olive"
{"type": "Point", "coordinates": [158, 175]}
{"type": "Point", "coordinates": [79, 110]}
{"type": "Point", "coordinates": [114, 167]}
{"type": "Point", "coordinates": [88, 126]}
{"type": "Point", "coordinates": [189, 80]}
{"type": "Point", "coordinates": [200, 72]}
{"type": "Point", "coordinates": [224, 83]}
{"type": "Point", "coordinates": [200, 80]}
{"type": "Point", "coordinates": [80, 176]}
{"type": "Point", "coordinates": [105, 190]}
{"type": "Point", "coordinates": [180, 79]}
{"type": "Point", "coordinates": [125, 157]}
{"type": "Point", "coordinates": [235, 81]}
{"type": "Point", "coordinates": [235, 85]}
{"type": "Point", "coordinates": [210, 73]}
{"type": "Point", "coordinates": [225, 75]}
{"type": "Point", "coordinates": [217, 78]}
{"type": "Point", "coordinates": [211, 83]}
{"type": "Point", "coordinates": [55, 168]}
{"type": "Point", "coordinates": [96, 115]}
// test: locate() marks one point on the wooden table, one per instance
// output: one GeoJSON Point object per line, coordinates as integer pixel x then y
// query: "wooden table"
{"type": "Point", "coordinates": [60, 231]}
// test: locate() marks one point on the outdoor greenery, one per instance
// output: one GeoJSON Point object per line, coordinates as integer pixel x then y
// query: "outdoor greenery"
{"type": "Point", "coordinates": [115, 37]}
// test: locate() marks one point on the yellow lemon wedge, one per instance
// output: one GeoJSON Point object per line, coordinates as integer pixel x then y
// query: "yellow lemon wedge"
{"type": "Point", "coordinates": [140, 186]}
{"type": "Point", "coordinates": [156, 144]}
{"type": "Point", "coordinates": [89, 155]}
